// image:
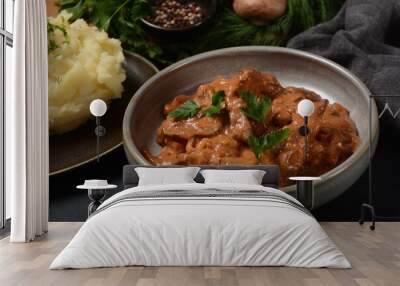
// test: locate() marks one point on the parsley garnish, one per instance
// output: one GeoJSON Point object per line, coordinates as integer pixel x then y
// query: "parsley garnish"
{"type": "Point", "coordinates": [186, 110]}
{"type": "Point", "coordinates": [256, 109]}
{"type": "Point", "coordinates": [52, 44]}
{"type": "Point", "coordinates": [268, 141]}
{"type": "Point", "coordinates": [217, 100]}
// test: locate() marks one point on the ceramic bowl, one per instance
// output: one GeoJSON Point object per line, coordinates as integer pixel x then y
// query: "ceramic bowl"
{"type": "Point", "coordinates": [292, 68]}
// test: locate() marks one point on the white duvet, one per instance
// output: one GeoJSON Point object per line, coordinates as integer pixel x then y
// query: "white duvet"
{"type": "Point", "coordinates": [200, 231]}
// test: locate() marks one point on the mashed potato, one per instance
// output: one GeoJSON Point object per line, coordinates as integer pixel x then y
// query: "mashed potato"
{"type": "Point", "coordinates": [84, 65]}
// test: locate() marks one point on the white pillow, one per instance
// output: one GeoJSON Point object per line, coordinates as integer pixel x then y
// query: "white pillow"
{"type": "Point", "coordinates": [247, 177]}
{"type": "Point", "coordinates": [166, 176]}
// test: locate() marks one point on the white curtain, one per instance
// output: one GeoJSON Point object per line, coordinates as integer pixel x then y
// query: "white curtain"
{"type": "Point", "coordinates": [27, 124]}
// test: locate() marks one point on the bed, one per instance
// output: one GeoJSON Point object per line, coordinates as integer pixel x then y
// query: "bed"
{"type": "Point", "coordinates": [198, 224]}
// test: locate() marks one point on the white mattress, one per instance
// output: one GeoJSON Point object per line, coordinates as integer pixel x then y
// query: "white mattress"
{"type": "Point", "coordinates": [200, 231]}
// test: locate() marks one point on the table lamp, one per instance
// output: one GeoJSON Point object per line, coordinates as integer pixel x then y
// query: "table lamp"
{"type": "Point", "coordinates": [98, 108]}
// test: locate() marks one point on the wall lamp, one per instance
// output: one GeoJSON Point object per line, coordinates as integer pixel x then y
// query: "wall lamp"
{"type": "Point", "coordinates": [98, 108]}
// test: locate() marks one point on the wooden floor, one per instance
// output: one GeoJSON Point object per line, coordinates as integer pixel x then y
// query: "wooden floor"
{"type": "Point", "coordinates": [375, 257]}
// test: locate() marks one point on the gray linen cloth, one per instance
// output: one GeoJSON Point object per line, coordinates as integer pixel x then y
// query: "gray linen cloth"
{"type": "Point", "coordinates": [365, 38]}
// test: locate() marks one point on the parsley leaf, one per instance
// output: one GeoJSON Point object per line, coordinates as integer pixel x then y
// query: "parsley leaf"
{"type": "Point", "coordinates": [268, 141]}
{"type": "Point", "coordinates": [217, 100]}
{"type": "Point", "coordinates": [186, 110]}
{"type": "Point", "coordinates": [256, 109]}
{"type": "Point", "coordinates": [212, 110]}
{"type": "Point", "coordinates": [52, 43]}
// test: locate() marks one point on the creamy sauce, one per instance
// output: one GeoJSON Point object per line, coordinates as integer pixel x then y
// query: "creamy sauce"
{"type": "Point", "coordinates": [222, 139]}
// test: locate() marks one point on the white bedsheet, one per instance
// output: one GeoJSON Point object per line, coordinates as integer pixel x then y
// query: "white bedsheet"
{"type": "Point", "coordinates": [200, 231]}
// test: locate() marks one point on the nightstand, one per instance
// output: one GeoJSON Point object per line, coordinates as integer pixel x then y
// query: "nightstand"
{"type": "Point", "coordinates": [305, 190]}
{"type": "Point", "coordinates": [96, 192]}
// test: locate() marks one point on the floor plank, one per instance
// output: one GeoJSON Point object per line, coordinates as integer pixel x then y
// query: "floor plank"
{"type": "Point", "coordinates": [375, 257]}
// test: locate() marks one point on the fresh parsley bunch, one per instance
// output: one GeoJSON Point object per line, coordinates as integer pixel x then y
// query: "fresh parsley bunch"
{"type": "Point", "coordinates": [121, 20]}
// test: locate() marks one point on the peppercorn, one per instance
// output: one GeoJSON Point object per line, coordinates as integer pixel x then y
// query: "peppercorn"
{"type": "Point", "coordinates": [175, 14]}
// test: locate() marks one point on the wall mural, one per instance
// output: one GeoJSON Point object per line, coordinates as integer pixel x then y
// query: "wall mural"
{"type": "Point", "coordinates": [242, 110]}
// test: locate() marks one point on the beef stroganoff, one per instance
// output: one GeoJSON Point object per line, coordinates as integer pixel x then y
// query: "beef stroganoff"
{"type": "Point", "coordinates": [249, 119]}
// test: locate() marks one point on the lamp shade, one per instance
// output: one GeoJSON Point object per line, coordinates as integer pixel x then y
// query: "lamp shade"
{"type": "Point", "coordinates": [305, 107]}
{"type": "Point", "coordinates": [98, 107]}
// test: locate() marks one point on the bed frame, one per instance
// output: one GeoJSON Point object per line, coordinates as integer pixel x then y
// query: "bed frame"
{"type": "Point", "coordinates": [271, 178]}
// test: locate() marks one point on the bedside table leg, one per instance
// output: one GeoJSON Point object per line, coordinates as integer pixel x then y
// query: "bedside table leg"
{"type": "Point", "coordinates": [305, 193]}
{"type": "Point", "coordinates": [95, 197]}
{"type": "Point", "coordinates": [362, 217]}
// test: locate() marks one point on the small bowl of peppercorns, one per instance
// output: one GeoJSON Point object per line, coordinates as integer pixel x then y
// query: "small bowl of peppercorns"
{"type": "Point", "coordinates": [176, 16]}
